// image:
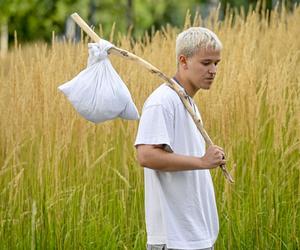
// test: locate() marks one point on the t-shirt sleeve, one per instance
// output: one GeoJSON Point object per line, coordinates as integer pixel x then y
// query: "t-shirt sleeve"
{"type": "Point", "coordinates": [156, 127]}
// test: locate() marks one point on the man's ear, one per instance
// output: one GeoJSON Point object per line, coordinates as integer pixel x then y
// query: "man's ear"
{"type": "Point", "coordinates": [182, 61]}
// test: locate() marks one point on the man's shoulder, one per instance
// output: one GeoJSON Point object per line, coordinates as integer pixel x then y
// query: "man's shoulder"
{"type": "Point", "coordinates": [164, 96]}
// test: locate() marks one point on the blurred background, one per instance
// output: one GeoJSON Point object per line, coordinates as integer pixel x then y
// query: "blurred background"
{"type": "Point", "coordinates": [36, 20]}
{"type": "Point", "coordinates": [66, 183]}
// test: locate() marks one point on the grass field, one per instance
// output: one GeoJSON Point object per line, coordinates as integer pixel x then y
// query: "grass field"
{"type": "Point", "coordinates": [66, 183]}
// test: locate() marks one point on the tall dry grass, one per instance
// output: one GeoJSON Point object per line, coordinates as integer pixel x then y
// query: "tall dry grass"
{"type": "Point", "coordinates": [68, 184]}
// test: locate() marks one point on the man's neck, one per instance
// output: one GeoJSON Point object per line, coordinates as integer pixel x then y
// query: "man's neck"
{"type": "Point", "coordinates": [185, 84]}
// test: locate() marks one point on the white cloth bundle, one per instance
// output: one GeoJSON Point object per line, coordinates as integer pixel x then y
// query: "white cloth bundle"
{"type": "Point", "coordinates": [98, 93]}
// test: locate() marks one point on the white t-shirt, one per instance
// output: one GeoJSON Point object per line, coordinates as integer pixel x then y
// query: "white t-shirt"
{"type": "Point", "coordinates": [180, 206]}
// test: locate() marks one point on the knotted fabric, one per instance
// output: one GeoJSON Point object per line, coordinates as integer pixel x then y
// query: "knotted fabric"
{"type": "Point", "coordinates": [98, 93]}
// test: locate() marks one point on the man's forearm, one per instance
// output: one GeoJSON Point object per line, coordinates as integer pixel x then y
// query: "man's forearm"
{"type": "Point", "coordinates": [158, 159]}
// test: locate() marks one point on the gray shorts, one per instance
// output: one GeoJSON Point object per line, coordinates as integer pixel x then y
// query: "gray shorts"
{"type": "Point", "coordinates": [164, 247]}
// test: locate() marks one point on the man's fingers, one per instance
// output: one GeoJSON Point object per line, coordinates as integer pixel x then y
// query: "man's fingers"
{"type": "Point", "coordinates": [223, 162]}
{"type": "Point", "coordinates": [216, 149]}
{"type": "Point", "coordinates": [220, 154]}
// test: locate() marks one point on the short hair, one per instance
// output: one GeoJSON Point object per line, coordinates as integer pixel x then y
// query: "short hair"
{"type": "Point", "coordinates": [191, 40]}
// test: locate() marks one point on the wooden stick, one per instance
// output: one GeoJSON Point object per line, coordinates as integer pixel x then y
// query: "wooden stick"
{"type": "Point", "coordinates": [173, 84]}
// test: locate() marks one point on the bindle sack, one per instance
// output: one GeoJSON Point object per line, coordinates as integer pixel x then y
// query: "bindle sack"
{"type": "Point", "coordinates": [98, 93]}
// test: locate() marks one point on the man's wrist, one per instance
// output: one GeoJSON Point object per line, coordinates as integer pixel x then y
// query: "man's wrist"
{"type": "Point", "coordinates": [202, 164]}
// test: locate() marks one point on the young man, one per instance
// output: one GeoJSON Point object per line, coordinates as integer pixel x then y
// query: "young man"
{"type": "Point", "coordinates": [180, 203]}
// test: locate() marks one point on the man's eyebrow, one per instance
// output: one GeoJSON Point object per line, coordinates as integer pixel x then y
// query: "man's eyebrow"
{"type": "Point", "coordinates": [210, 60]}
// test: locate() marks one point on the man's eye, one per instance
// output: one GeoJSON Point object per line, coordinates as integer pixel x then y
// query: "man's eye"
{"type": "Point", "coordinates": [205, 63]}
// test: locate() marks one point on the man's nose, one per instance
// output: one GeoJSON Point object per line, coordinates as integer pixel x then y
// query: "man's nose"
{"type": "Point", "coordinates": [213, 69]}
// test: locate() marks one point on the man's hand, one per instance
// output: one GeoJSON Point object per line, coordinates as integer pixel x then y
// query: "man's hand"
{"type": "Point", "coordinates": [213, 157]}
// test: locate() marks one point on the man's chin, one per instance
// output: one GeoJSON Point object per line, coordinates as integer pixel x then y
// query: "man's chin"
{"type": "Point", "coordinates": [206, 87]}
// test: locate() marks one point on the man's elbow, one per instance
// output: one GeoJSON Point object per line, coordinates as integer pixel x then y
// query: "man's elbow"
{"type": "Point", "coordinates": [142, 157]}
{"type": "Point", "coordinates": [146, 155]}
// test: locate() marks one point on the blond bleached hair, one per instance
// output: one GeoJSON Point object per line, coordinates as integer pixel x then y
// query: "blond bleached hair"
{"type": "Point", "coordinates": [191, 40]}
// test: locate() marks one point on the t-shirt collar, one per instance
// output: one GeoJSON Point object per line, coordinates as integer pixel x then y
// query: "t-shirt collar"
{"type": "Point", "coordinates": [177, 81]}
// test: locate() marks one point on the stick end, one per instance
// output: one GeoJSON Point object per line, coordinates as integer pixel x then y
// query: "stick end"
{"type": "Point", "coordinates": [74, 15]}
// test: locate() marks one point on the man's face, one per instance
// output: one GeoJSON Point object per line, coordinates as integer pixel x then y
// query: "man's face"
{"type": "Point", "coordinates": [201, 69]}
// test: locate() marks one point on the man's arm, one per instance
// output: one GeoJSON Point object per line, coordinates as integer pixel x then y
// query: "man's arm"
{"type": "Point", "coordinates": [154, 157]}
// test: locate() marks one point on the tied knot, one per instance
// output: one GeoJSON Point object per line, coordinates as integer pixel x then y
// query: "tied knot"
{"type": "Point", "coordinates": [98, 51]}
